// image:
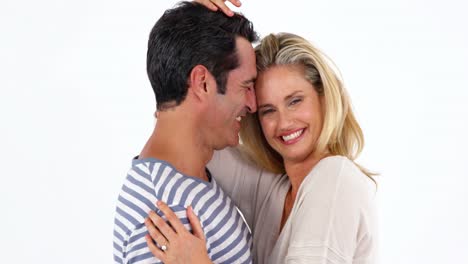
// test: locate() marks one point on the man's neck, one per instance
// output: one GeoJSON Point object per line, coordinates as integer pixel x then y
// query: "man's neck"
{"type": "Point", "coordinates": [181, 145]}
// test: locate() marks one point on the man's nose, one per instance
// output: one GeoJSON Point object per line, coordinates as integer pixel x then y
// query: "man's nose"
{"type": "Point", "coordinates": [251, 101]}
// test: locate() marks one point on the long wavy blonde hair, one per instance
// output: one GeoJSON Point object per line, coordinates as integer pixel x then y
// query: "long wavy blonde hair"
{"type": "Point", "coordinates": [341, 133]}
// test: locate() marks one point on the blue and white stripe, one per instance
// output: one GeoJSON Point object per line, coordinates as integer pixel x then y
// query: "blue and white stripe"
{"type": "Point", "coordinates": [228, 237]}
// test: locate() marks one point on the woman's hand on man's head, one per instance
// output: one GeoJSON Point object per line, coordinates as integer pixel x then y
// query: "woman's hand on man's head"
{"type": "Point", "coordinates": [220, 4]}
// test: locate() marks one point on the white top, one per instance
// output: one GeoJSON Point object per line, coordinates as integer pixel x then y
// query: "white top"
{"type": "Point", "coordinates": [333, 219]}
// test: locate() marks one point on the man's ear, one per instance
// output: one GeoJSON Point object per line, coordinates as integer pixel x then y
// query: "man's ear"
{"type": "Point", "coordinates": [201, 81]}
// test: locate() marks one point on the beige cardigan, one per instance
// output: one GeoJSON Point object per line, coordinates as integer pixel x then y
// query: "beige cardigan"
{"type": "Point", "coordinates": [333, 219]}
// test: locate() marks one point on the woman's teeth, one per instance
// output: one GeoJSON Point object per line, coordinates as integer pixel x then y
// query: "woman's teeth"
{"type": "Point", "coordinates": [293, 135]}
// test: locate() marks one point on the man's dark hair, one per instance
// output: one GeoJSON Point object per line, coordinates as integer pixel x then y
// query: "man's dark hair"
{"type": "Point", "coordinates": [188, 35]}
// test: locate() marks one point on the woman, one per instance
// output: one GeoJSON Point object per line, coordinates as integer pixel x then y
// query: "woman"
{"type": "Point", "coordinates": [312, 203]}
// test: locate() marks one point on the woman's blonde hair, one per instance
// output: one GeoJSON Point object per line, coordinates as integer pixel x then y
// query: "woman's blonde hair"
{"type": "Point", "coordinates": [341, 133]}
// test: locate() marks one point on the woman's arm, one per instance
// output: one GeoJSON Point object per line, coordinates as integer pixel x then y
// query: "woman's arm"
{"type": "Point", "coordinates": [239, 179]}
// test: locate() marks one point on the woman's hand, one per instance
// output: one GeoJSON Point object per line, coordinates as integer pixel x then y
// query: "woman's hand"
{"type": "Point", "coordinates": [178, 245]}
{"type": "Point", "coordinates": [215, 4]}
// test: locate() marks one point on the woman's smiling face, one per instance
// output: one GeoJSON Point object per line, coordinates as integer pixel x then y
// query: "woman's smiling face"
{"type": "Point", "coordinates": [290, 111]}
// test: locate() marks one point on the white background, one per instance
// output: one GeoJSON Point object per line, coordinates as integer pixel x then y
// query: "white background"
{"type": "Point", "coordinates": [76, 106]}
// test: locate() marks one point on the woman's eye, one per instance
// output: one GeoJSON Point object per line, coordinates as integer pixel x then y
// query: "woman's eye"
{"type": "Point", "coordinates": [265, 112]}
{"type": "Point", "coordinates": [295, 101]}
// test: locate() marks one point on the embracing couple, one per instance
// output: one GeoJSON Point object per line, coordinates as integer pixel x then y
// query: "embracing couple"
{"type": "Point", "coordinates": [290, 192]}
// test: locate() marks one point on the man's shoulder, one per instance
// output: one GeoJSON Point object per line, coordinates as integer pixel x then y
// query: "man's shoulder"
{"type": "Point", "coordinates": [147, 167]}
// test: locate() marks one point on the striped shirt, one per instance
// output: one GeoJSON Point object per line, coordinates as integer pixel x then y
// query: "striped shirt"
{"type": "Point", "coordinates": [228, 238]}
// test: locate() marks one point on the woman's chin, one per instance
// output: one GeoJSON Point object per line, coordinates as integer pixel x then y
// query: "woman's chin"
{"type": "Point", "coordinates": [294, 156]}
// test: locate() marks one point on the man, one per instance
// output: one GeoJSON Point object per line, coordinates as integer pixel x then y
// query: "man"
{"type": "Point", "coordinates": [201, 66]}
